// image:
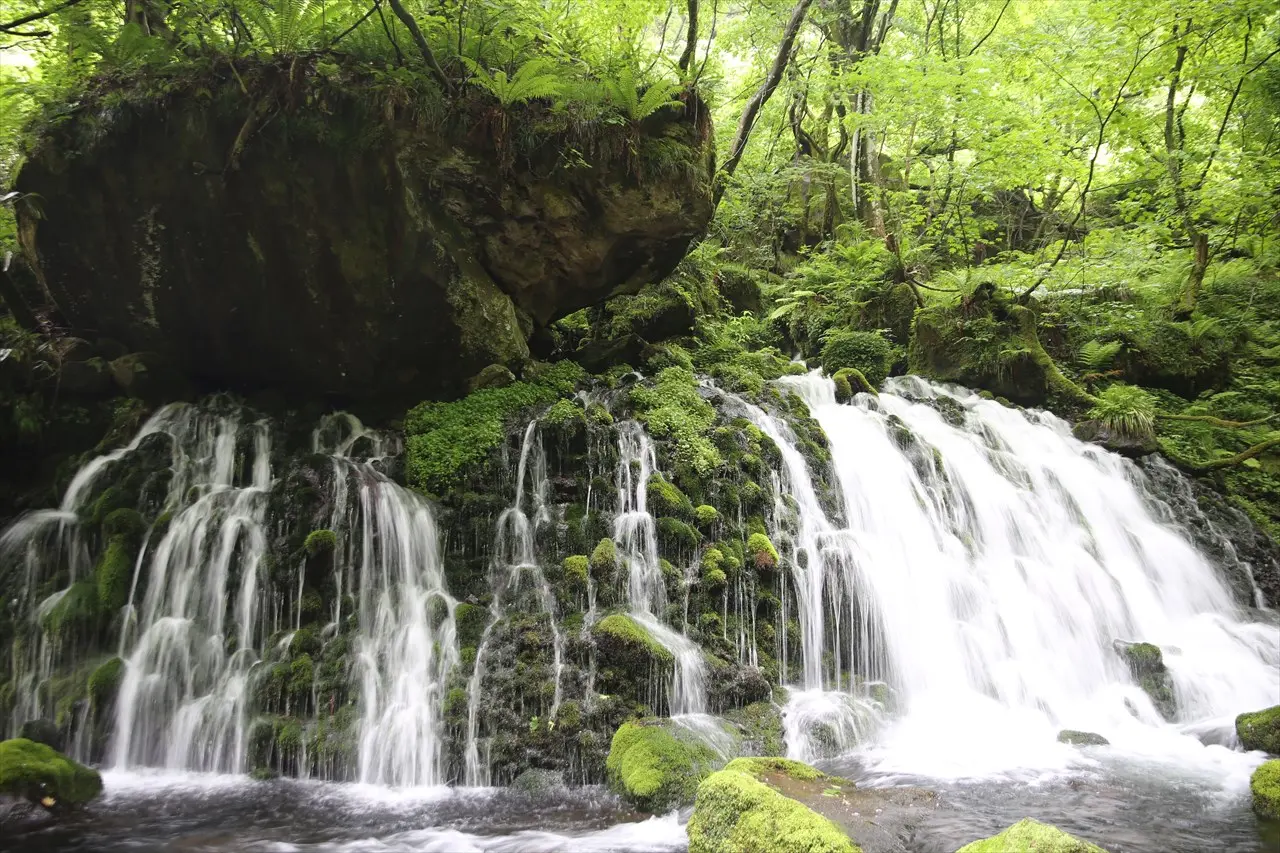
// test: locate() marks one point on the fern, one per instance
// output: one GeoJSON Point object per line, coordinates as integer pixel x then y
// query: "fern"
{"type": "Point", "coordinates": [624, 93]}
{"type": "Point", "coordinates": [535, 79]}
{"type": "Point", "coordinates": [1097, 356]}
{"type": "Point", "coordinates": [1126, 411]}
{"type": "Point", "coordinates": [285, 26]}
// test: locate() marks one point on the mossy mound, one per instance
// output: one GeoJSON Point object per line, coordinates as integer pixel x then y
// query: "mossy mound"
{"type": "Point", "coordinates": [43, 775]}
{"type": "Point", "coordinates": [867, 353]}
{"type": "Point", "coordinates": [738, 812]}
{"type": "Point", "coordinates": [624, 642]}
{"type": "Point", "coordinates": [1265, 785]}
{"type": "Point", "coordinates": [1029, 836]}
{"type": "Point", "coordinates": [656, 766]}
{"type": "Point", "coordinates": [1146, 664]}
{"type": "Point", "coordinates": [1077, 738]}
{"type": "Point", "coordinates": [1260, 730]}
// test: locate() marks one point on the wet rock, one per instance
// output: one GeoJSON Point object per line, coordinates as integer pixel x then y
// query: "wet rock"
{"type": "Point", "coordinates": [535, 781]}
{"type": "Point", "coordinates": [1077, 738]}
{"type": "Point", "coordinates": [656, 765]}
{"type": "Point", "coordinates": [1031, 835]}
{"type": "Point", "coordinates": [1097, 432]}
{"type": "Point", "coordinates": [1146, 664]}
{"type": "Point", "coordinates": [42, 731]}
{"type": "Point", "coordinates": [493, 376]}
{"type": "Point", "coordinates": [1260, 730]}
{"type": "Point", "coordinates": [40, 774]}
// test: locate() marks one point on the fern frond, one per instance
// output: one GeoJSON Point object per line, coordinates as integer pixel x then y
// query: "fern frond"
{"type": "Point", "coordinates": [1097, 355]}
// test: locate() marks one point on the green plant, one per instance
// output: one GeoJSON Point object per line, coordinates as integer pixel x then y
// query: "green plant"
{"type": "Point", "coordinates": [867, 352]}
{"type": "Point", "coordinates": [532, 80]}
{"type": "Point", "coordinates": [1127, 411]}
{"type": "Point", "coordinates": [1096, 355]}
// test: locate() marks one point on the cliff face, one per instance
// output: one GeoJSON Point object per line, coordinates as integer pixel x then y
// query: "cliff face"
{"type": "Point", "coordinates": [332, 234]}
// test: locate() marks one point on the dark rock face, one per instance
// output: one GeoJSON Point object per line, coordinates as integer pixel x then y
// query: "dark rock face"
{"type": "Point", "coordinates": [343, 239]}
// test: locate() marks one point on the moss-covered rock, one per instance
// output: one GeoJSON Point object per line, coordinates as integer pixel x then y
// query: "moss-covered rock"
{"type": "Point", "coordinates": [1146, 664]}
{"type": "Point", "coordinates": [41, 774]}
{"type": "Point", "coordinates": [656, 766]}
{"type": "Point", "coordinates": [114, 573]}
{"type": "Point", "coordinates": [1260, 730]}
{"type": "Point", "coordinates": [576, 569]}
{"type": "Point", "coordinates": [737, 811]}
{"type": "Point", "coordinates": [320, 542]}
{"type": "Point", "coordinates": [866, 352]}
{"type": "Point", "coordinates": [1029, 836]}
{"type": "Point", "coordinates": [315, 271]}
{"type": "Point", "coordinates": [761, 551]}
{"type": "Point", "coordinates": [104, 683]}
{"type": "Point", "coordinates": [622, 641]}
{"type": "Point", "coordinates": [604, 558]}
{"type": "Point", "coordinates": [665, 498]}
{"type": "Point", "coordinates": [1265, 785]}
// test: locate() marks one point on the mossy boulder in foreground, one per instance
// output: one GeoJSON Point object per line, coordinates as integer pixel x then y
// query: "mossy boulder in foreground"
{"type": "Point", "coordinates": [39, 773]}
{"type": "Point", "coordinates": [1265, 784]}
{"type": "Point", "coordinates": [1260, 730]}
{"type": "Point", "coordinates": [1029, 836]}
{"type": "Point", "coordinates": [738, 811]}
{"type": "Point", "coordinates": [656, 766]}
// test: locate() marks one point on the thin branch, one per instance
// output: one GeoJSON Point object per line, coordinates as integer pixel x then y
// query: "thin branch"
{"type": "Point", "coordinates": [1218, 422]}
{"type": "Point", "coordinates": [351, 29]}
{"type": "Point", "coordinates": [36, 16]}
{"type": "Point", "coordinates": [412, 26]}
{"type": "Point", "coordinates": [979, 42]}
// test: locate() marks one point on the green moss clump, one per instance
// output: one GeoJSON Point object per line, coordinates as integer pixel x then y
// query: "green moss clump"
{"type": "Point", "coordinates": [712, 567]}
{"type": "Point", "coordinates": [762, 551]}
{"type": "Point", "coordinates": [575, 570]}
{"type": "Point", "coordinates": [302, 676]}
{"type": "Point", "coordinates": [675, 535]}
{"type": "Point", "coordinates": [624, 642]}
{"type": "Point", "coordinates": [599, 415]}
{"type": "Point", "coordinates": [105, 682]}
{"type": "Point", "coordinates": [1265, 785]}
{"type": "Point", "coordinates": [1077, 738]}
{"type": "Point", "coordinates": [867, 352]}
{"type": "Point", "coordinates": [706, 516]}
{"type": "Point", "coordinates": [844, 391]}
{"type": "Point", "coordinates": [604, 559]}
{"type": "Point", "coordinates": [564, 412]}
{"type": "Point", "coordinates": [653, 769]}
{"type": "Point", "coordinates": [124, 522]}
{"type": "Point", "coordinates": [469, 621]}
{"type": "Point", "coordinates": [1146, 663]}
{"type": "Point", "coordinates": [1031, 835]}
{"type": "Point", "coordinates": [1260, 730]}
{"type": "Point", "coordinates": [736, 812]}
{"type": "Point", "coordinates": [76, 612]}
{"type": "Point", "coordinates": [43, 775]}
{"type": "Point", "coordinates": [448, 441]}
{"type": "Point", "coordinates": [665, 498]}
{"type": "Point", "coordinates": [320, 542]}
{"type": "Point", "coordinates": [673, 409]}
{"type": "Point", "coordinates": [114, 573]}
{"type": "Point", "coordinates": [854, 382]}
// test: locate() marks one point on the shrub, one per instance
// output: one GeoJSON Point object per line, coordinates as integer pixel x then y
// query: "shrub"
{"type": "Point", "coordinates": [867, 352]}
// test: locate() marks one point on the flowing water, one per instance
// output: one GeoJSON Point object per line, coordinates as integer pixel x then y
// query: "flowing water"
{"type": "Point", "coordinates": [958, 592]}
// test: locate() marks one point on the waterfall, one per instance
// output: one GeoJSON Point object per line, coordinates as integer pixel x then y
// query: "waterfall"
{"type": "Point", "coordinates": [986, 563]}
{"type": "Point", "coordinates": [635, 534]}
{"type": "Point", "coordinates": [515, 563]}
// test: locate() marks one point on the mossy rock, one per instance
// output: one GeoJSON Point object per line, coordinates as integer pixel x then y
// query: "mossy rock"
{"type": "Point", "coordinates": [41, 774]}
{"type": "Point", "coordinates": [320, 542]}
{"type": "Point", "coordinates": [1029, 836]}
{"type": "Point", "coordinates": [114, 574]}
{"type": "Point", "coordinates": [665, 498]}
{"type": "Point", "coordinates": [1265, 785]}
{"type": "Point", "coordinates": [75, 613]}
{"type": "Point", "coordinates": [1146, 664]}
{"type": "Point", "coordinates": [850, 381]}
{"type": "Point", "coordinates": [44, 732]}
{"type": "Point", "coordinates": [604, 559]}
{"type": "Point", "coordinates": [761, 551]}
{"type": "Point", "coordinates": [124, 522]}
{"type": "Point", "coordinates": [866, 352]}
{"type": "Point", "coordinates": [706, 516]}
{"type": "Point", "coordinates": [104, 683]}
{"type": "Point", "coordinates": [1260, 730]}
{"type": "Point", "coordinates": [737, 811]}
{"type": "Point", "coordinates": [575, 571]}
{"type": "Point", "coordinates": [1077, 738]}
{"type": "Point", "coordinates": [655, 766]}
{"type": "Point", "coordinates": [470, 620]}
{"type": "Point", "coordinates": [624, 642]}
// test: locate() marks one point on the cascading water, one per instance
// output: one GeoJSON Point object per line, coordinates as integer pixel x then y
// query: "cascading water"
{"type": "Point", "coordinates": [389, 552]}
{"type": "Point", "coordinates": [514, 563]}
{"type": "Point", "coordinates": [986, 565]}
{"type": "Point", "coordinates": [635, 533]}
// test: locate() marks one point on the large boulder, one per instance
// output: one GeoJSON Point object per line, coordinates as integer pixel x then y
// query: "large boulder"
{"type": "Point", "coordinates": [1029, 836]}
{"type": "Point", "coordinates": [656, 764]}
{"type": "Point", "coordinates": [39, 773]}
{"type": "Point", "coordinates": [317, 229]}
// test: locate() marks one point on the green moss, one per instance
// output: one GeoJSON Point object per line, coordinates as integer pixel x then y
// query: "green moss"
{"type": "Point", "coordinates": [867, 352]}
{"type": "Point", "coordinates": [604, 559]}
{"type": "Point", "coordinates": [114, 573]}
{"type": "Point", "coordinates": [564, 412]}
{"type": "Point", "coordinates": [673, 409]}
{"type": "Point", "coordinates": [105, 682]}
{"type": "Point", "coordinates": [124, 522]}
{"type": "Point", "coordinates": [844, 391]}
{"type": "Point", "coordinates": [1265, 785]}
{"type": "Point", "coordinates": [706, 516]}
{"type": "Point", "coordinates": [675, 535]}
{"type": "Point", "coordinates": [447, 441]}
{"type": "Point", "coordinates": [575, 570]}
{"type": "Point", "coordinates": [301, 678]}
{"type": "Point", "coordinates": [665, 498]}
{"type": "Point", "coordinates": [623, 641]}
{"type": "Point", "coordinates": [855, 382]}
{"type": "Point", "coordinates": [758, 767]}
{"type": "Point", "coordinates": [738, 813]}
{"type": "Point", "coordinates": [760, 725]}
{"type": "Point", "coordinates": [1030, 835]}
{"type": "Point", "coordinates": [74, 613]}
{"type": "Point", "coordinates": [320, 542]}
{"type": "Point", "coordinates": [1147, 666]}
{"type": "Point", "coordinates": [1260, 730]}
{"type": "Point", "coordinates": [469, 621]}
{"type": "Point", "coordinates": [655, 770]}
{"type": "Point", "coordinates": [599, 415]}
{"type": "Point", "coordinates": [42, 775]}
{"type": "Point", "coordinates": [762, 552]}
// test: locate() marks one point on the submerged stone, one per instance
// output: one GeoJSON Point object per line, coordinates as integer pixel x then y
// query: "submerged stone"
{"type": "Point", "coordinates": [39, 773]}
{"type": "Point", "coordinates": [1260, 730]}
{"type": "Point", "coordinates": [1077, 738]}
{"type": "Point", "coordinates": [1029, 836]}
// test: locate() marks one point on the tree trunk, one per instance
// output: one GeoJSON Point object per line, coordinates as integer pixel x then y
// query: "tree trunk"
{"type": "Point", "coordinates": [691, 39]}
